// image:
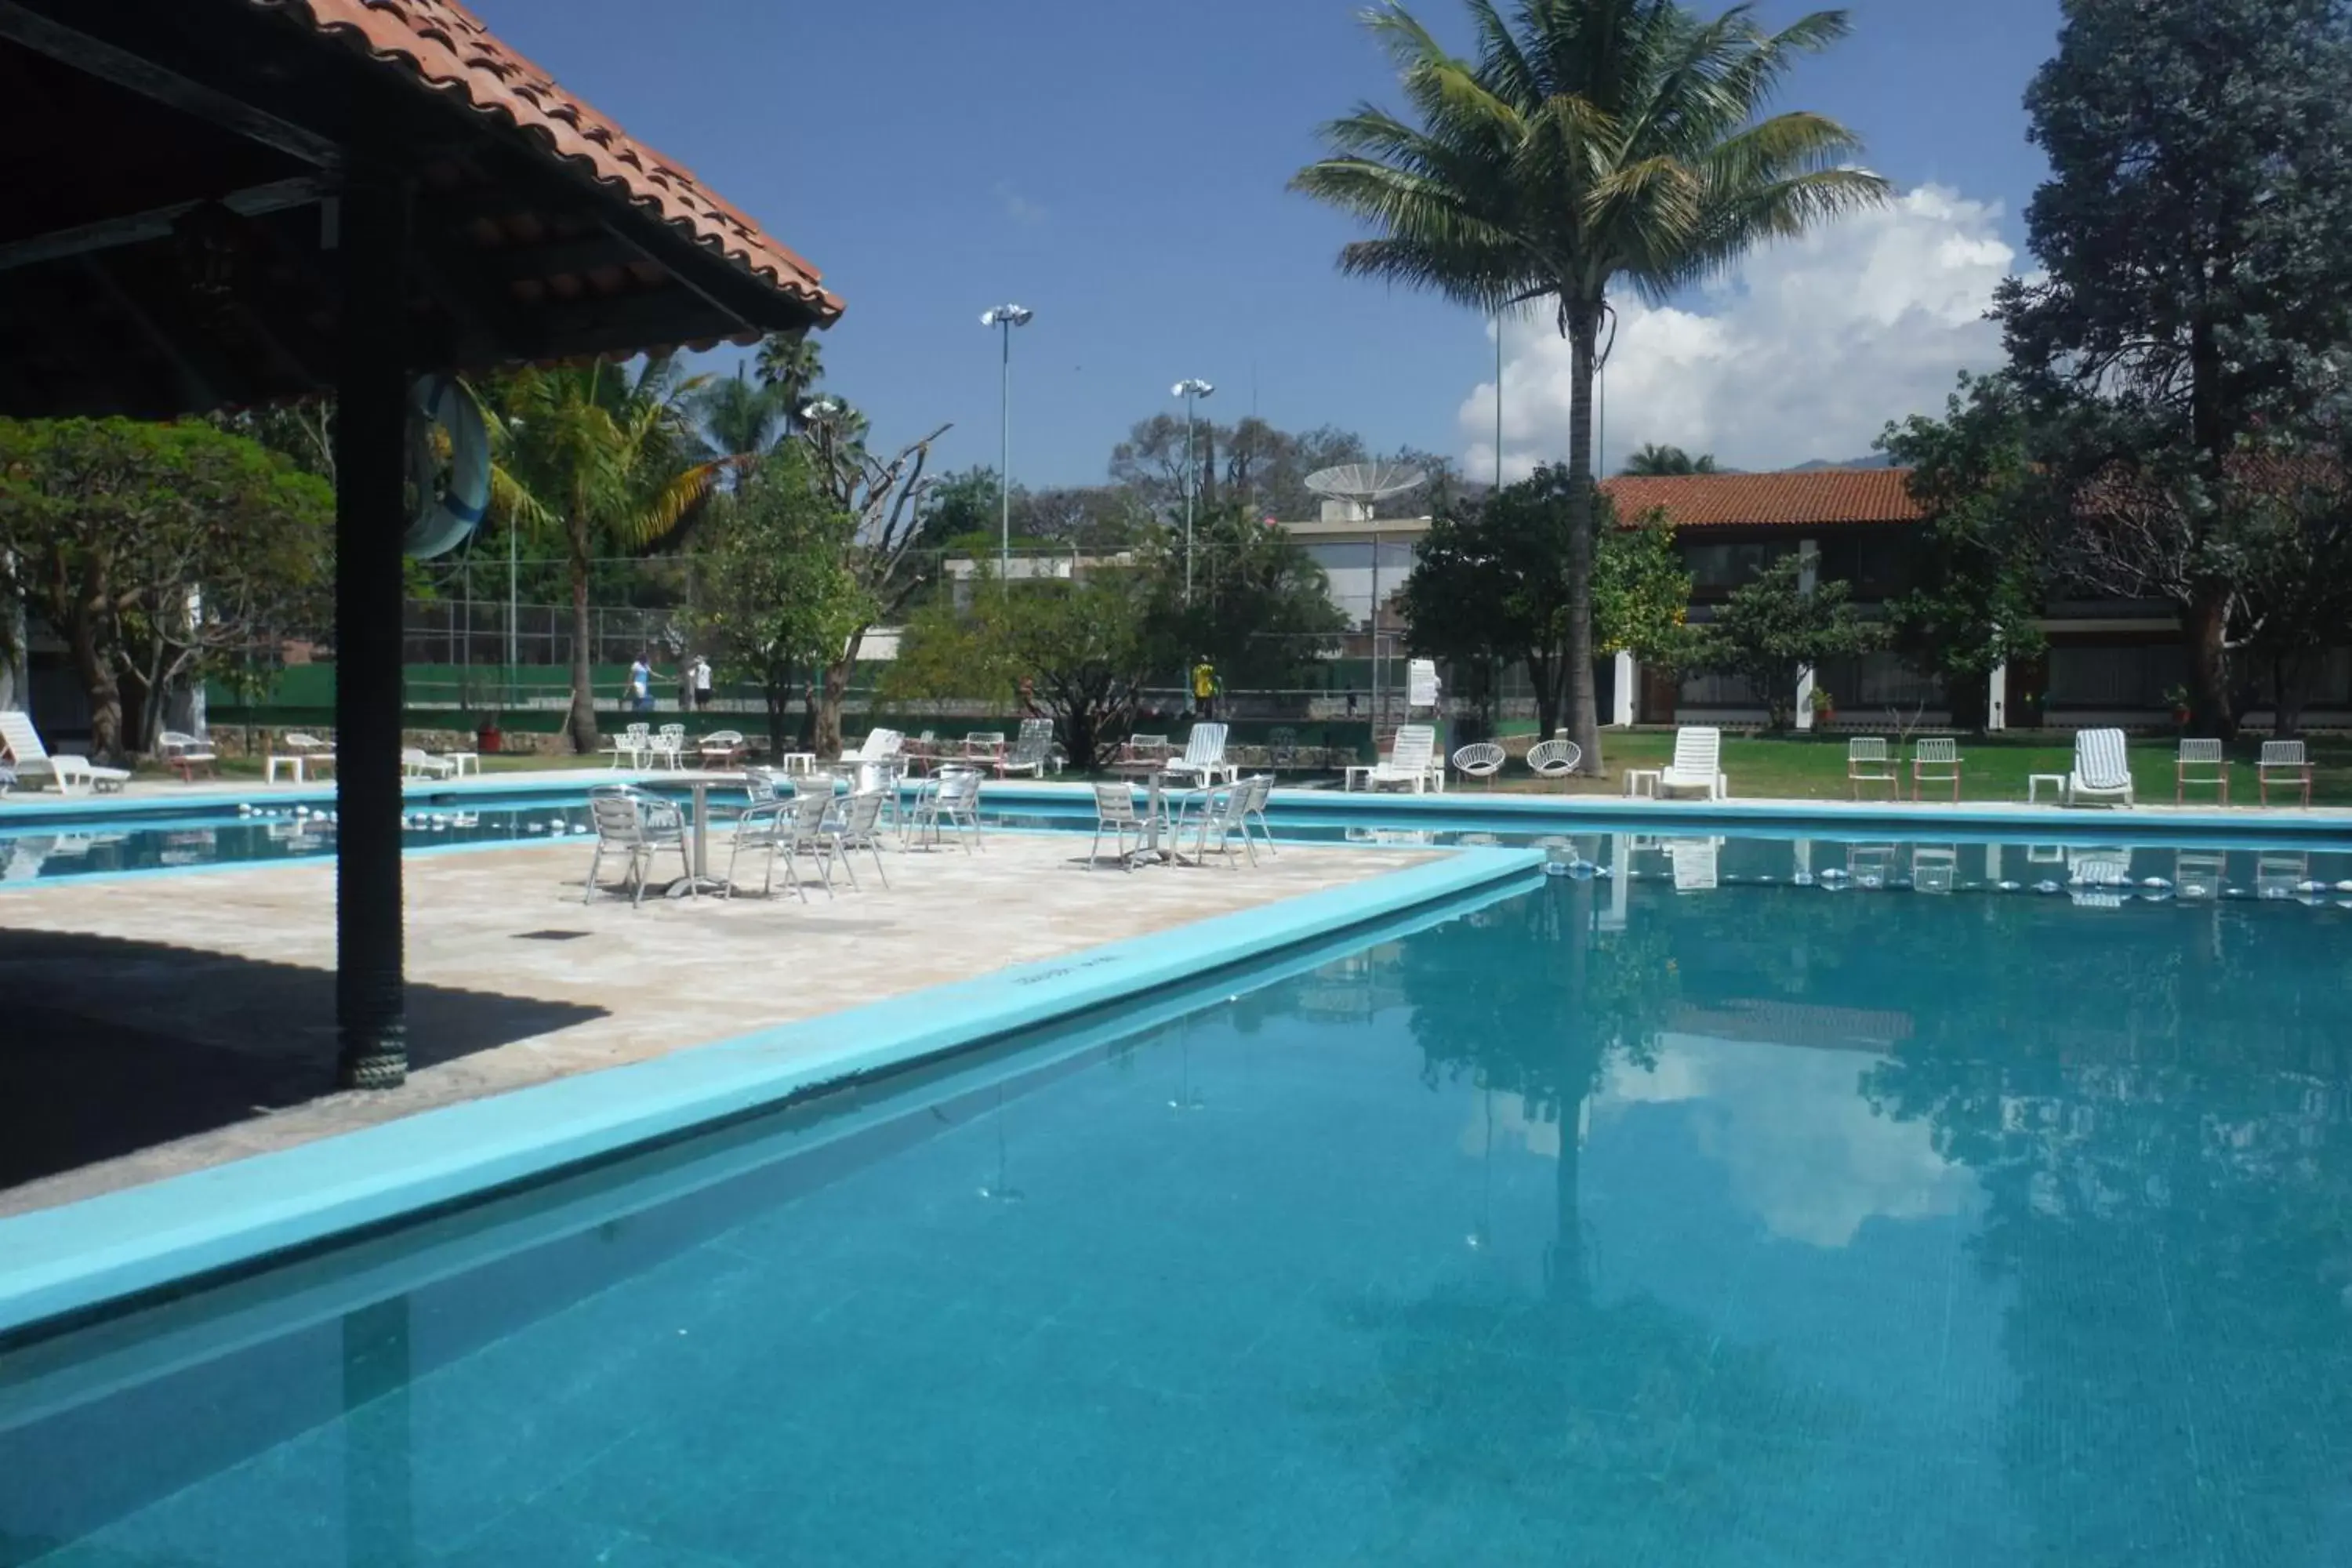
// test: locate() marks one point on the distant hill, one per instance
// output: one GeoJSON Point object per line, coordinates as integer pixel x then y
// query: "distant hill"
{"type": "Point", "coordinates": [1875, 460]}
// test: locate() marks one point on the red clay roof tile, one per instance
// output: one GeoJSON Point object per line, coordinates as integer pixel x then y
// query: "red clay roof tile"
{"type": "Point", "coordinates": [447, 48]}
{"type": "Point", "coordinates": [1726, 500]}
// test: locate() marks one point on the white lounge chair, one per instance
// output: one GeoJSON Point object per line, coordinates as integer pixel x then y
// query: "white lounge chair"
{"type": "Point", "coordinates": [184, 754]}
{"type": "Point", "coordinates": [1866, 762]}
{"type": "Point", "coordinates": [722, 748]}
{"type": "Point", "coordinates": [1936, 761]}
{"type": "Point", "coordinates": [1408, 758]}
{"type": "Point", "coordinates": [31, 760]}
{"type": "Point", "coordinates": [1033, 751]}
{"type": "Point", "coordinates": [1480, 760]}
{"type": "Point", "coordinates": [2287, 762]}
{"type": "Point", "coordinates": [1697, 765]}
{"type": "Point", "coordinates": [2102, 769]}
{"type": "Point", "coordinates": [2201, 762]}
{"type": "Point", "coordinates": [1204, 755]}
{"type": "Point", "coordinates": [1555, 759]}
{"type": "Point", "coordinates": [417, 763]}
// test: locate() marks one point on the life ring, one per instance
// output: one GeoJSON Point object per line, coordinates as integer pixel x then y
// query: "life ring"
{"type": "Point", "coordinates": [448, 507]}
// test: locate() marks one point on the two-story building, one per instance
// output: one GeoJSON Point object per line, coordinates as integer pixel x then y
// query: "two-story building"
{"type": "Point", "coordinates": [2109, 661]}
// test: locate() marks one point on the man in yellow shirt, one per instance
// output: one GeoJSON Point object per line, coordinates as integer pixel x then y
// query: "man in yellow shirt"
{"type": "Point", "coordinates": [1204, 688]}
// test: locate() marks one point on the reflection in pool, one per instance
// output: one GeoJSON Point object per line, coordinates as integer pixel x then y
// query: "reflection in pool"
{"type": "Point", "coordinates": [1721, 1201]}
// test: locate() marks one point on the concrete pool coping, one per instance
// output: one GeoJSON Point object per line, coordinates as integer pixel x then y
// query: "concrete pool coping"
{"type": "Point", "coordinates": [1306, 806]}
{"type": "Point", "coordinates": [66, 1262]}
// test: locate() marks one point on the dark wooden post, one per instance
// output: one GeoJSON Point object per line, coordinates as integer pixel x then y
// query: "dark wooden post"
{"type": "Point", "coordinates": [370, 452]}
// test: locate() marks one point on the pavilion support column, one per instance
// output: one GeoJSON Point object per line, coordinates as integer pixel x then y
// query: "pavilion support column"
{"type": "Point", "coordinates": [370, 415]}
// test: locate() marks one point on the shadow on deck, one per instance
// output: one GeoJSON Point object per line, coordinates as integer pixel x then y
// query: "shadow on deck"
{"type": "Point", "coordinates": [109, 1046]}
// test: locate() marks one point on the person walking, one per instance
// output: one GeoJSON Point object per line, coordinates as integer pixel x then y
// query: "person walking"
{"type": "Point", "coordinates": [1204, 688]}
{"type": "Point", "coordinates": [641, 684]}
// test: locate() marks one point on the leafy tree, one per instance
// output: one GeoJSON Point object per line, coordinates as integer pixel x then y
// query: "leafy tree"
{"type": "Point", "coordinates": [2191, 286]}
{"type": "Point", "coordinates": [1077, 650]}
{"type": "Point", "coordinates": [1663, 461]}
{"type": "Point", "coordinates": [157, 552]}
{"type": "Point", "coordinates": [1772, 629]}
{"type": "Point", "coordinates": [1586, 145]}
{"type": "Point", "coordinates": [1641, 590]}
{"type": "Point", "coordinates": [603, 459]}
{"type": "Point", "coordinates": [1490, 589]}
{"type": "Point", "coordinates": [961, 506]}
{"type": "Point", "coordinates": [781, 601]}
{"type": "Point", "coordinates": [1982, 573]}
{"type": "Point", "coordinates": [1261, 608]}
{"type": "Point", "coordinates": [2297, 588]}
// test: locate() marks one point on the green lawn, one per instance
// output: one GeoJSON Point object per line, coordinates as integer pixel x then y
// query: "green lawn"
{"type": "Point", "coordinates": [1992, 768]}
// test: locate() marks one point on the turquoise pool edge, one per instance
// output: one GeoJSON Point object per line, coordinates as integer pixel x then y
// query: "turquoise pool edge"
{"type": "Point", "coordinates": [65, 1261]}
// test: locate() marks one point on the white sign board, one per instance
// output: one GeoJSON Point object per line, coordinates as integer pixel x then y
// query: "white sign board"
{"type": "Point", "coordinates": [1421, 683]}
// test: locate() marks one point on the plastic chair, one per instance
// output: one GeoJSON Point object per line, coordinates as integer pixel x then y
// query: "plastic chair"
{"type": "Point", "coordinates": [2212, 767]}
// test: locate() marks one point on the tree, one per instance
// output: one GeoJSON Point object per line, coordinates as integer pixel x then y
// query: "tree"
{"type": "Point", "coordinates": [155, 552]}
{"type": "Point", "coordinates": [885, 503]}
{"type": "Point", "coordinates": [782, 600]}
{"type": "Point", "coordinates": [1588, 144]}
{"type": "Point", "coordinates": [2192, 286]}
{"type": "Point", "coordinates": [1981, 576]}
{"type": "Point", "coordinates": [740, 417]}
{"type": "Point", "coordinates": [1078, 650]}
{"type": "Point", "coordinates": [602, 458]}
{"type": "Point", "coordinates": [2298, 589]}
{"type": "Point", "coordinates": [1657, 462]}
{"type": "Point", "coordinates": [1774, 629]}
{"type": "Point", "coordinates": [1261, 608]}
{"type": "Point", "coordinates": [1490, 589]}
{"type": "Point", "coordinates": [961, 506]}
{"type": "Point", "coordinates": [791, 365]}
{"type": "Point", "coordinates": [1641, 590]}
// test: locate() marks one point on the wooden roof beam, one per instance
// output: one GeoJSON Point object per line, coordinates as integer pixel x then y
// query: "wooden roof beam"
{"type": "Point", "coordinates": [22, 25]}
{"type": "Point", "coordinates": [155, 223]}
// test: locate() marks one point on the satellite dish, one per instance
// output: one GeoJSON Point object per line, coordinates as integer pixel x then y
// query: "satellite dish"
{"type": "Point", "coordinates": [1366, 484]}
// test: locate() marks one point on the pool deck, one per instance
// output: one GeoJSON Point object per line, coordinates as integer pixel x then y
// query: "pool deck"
{"type": "Point", "coordinates": [188, 1020]}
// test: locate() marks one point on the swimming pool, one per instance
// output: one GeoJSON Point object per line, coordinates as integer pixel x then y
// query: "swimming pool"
{"type": "Point", "coordinates": [1676, 1214]}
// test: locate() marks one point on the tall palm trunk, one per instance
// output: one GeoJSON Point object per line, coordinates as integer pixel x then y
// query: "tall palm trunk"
{"type": "Point", "coordinates": [1583, 700]}
{"type": "Point", "coordinates": [582, 721]}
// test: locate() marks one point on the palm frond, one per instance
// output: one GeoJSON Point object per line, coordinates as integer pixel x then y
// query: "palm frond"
{"type": "Point", "coordinates": [671, 504]}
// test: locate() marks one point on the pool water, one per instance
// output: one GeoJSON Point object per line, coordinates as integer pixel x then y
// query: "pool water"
{"type": "Point", "coordinates": [1673, 1216]}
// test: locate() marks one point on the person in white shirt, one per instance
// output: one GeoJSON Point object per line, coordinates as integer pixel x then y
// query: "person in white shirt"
{"type": "Point", "coordinates": [701, 683]}
{"type": "Point", "coordinates": [641, 684]}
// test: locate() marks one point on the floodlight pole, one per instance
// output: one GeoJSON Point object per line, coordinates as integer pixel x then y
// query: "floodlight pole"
{"type": "Point", "coordinates": [1190, 391]}
{"type": "Point", "coordinates": [1004, 318]}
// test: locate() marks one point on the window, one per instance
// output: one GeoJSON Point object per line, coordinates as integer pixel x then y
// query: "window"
{"type": "Point", "coordinates": [1720, 568]}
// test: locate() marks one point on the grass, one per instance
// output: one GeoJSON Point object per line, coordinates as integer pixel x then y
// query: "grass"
{"type": "Point", "coordinates": [1993, 768]}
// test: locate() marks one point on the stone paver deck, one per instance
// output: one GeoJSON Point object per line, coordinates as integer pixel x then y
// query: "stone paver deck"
{"type": "Point", "coordinates": [167, 1024]}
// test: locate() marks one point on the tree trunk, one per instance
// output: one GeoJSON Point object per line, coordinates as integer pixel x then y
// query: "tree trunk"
{"type": "Point", "coordinates": [830, 696]}
{"type": "Point", "coordinates": [98, 681]}
{"type": "Point", "coordinates": [582, 721]}
{"type": "Point", "coordinates": [1584, 706]}
{"type": "Point", "coordinates": [1541, 673]}
{"type": "Point", "coordinates": [776, 688]}
{"type": "Point", "coordinates": [2207, 618]}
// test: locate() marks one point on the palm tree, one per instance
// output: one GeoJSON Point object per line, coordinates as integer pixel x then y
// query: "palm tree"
{"type": "Point", "coordinates": [608, 458]}
{"type": "Point", "coordinates": [792, 363]}
{"type": "Point", "coordinates": [1585, 144]}
{"type": "Point", "coordinates": [1656, 462]}
{"type": "Point", "coordinates": [740, 417]}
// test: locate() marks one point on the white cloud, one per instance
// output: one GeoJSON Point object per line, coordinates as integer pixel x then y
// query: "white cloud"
{"type": "Point", "coordinates": [1016, 206]}
{"type": "Point", "coordinates": [1807, 352]}
{"type": "Point", "coordinates": [1803, 1150]}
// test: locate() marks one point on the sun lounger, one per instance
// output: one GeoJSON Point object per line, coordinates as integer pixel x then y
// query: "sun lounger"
{"type": "Point", "coordinates": [2102, 769]}
{"type": "Point", "coordinates": [31, 760]}
{"type": "Point", "coordinates": [1697, 766]}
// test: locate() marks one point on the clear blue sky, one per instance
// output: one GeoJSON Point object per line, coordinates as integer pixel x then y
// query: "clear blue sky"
{"type": "Point", "coordinates": [1118, 165]}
